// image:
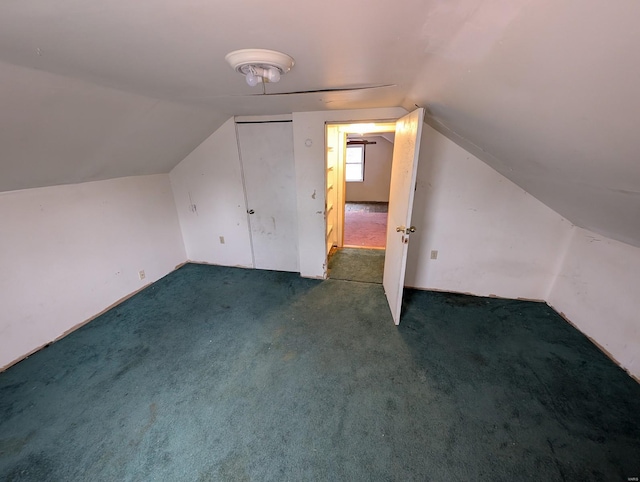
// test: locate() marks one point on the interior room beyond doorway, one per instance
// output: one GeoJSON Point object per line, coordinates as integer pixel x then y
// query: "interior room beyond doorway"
{"type": "Point", "coordinates": [359, 159]}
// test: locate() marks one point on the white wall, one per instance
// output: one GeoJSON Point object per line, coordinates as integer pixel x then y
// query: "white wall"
{"type": "Point", "coordinates": [598, 290]}
{"type": "Point", "coordinates": [210, 178]}
{"type": "Point", "coordinates": [491, 236]}
{"type": "Point", "coordinates": [377, 173]}
{"type": "Point", "coordinates": [68, 252]}
{"type": "Point", "coordinates": [309, 153]}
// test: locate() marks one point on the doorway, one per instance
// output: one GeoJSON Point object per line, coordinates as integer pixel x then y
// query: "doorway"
{"type": "Point", "coordinates": [404, 168]}
{"type": "Point", "coordinates": [359, 160]}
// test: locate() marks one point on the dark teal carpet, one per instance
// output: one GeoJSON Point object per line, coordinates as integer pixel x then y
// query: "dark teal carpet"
{"type": "Point", "coordinates": [229, 374]}
{"type": "Point", "coordinates": [357, 264]}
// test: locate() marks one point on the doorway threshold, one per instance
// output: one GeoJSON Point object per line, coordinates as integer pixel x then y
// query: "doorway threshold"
{"type": "Point", "coordinates": [357, 264]}
{"type": "Point", "coordinates": [353, 246]}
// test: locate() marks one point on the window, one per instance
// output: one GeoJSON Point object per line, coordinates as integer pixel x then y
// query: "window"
{"type": "Point", "coordinates": [355, 164]}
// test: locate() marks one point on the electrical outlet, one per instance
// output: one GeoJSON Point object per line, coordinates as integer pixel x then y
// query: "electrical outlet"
{"type": "Point", "coordinates": [141, 274]}
{"type": "Point", "coordinates": [434, 254]}
{"type": "Point", "coordinates": [221, 239]}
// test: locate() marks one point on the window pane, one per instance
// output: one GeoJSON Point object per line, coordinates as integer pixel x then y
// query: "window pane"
{"type": "Point", "coordinates": [355, 164]}
{"type": "Point", "coordinates": [354, 154]}
{"type": "Point", "coordinates": [353, 172]}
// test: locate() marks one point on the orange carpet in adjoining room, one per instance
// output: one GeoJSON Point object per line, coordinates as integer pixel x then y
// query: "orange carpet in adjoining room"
{"type": "Point", "coordinates": [365, 229]}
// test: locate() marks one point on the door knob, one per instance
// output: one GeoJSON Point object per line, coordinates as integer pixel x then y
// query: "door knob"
{"type": "Point", "coordinates": [250, 211]}
{"type": "Point", "coordinates": [400, 229]}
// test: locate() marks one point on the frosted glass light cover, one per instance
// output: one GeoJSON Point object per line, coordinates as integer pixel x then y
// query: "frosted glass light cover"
{"type": "Point", "coordinates": [252, 79]}
{"type": "Point", "coordinates": [273, 74]}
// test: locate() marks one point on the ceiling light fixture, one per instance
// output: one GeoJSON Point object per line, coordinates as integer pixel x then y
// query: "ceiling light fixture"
{"type": "Point", "coordinates": [260, 65]}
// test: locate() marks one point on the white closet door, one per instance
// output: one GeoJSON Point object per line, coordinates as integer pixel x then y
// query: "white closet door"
{"type": "Point", "coordinates": [266, 153]}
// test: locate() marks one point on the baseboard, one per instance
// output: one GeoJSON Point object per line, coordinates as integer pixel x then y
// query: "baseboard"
{"type": "Point", "coordinates": [207, 263]}
{"type": "Point", "coordinates": [437, 290]}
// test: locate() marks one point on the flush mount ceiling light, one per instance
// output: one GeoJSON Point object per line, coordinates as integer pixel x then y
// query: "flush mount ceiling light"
{"type": "Point", "coordinates": [260, 65]}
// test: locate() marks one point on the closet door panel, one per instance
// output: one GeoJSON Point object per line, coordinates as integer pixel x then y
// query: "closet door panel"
{"type": "Point", "coordinates": [266, 153]}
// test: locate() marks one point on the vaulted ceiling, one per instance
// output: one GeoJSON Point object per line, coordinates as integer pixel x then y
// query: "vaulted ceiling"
{"type": "Point", "coordinates": [544, 91]}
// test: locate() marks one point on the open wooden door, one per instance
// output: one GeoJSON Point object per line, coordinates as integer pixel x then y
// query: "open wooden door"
{"type": "Point", "coordinates": [403, 182]}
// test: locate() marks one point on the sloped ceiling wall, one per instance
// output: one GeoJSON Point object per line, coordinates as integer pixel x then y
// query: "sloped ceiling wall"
{"type": "Point", "coordinates": [548, 96]}
{"type": "Point", "coordinates": [543, 91]}
{"type": "Point", "coordinates": [59, 130]}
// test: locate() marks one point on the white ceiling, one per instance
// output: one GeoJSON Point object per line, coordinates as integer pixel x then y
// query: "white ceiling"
{"type": "Point", "coordinates": [542, 90]}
